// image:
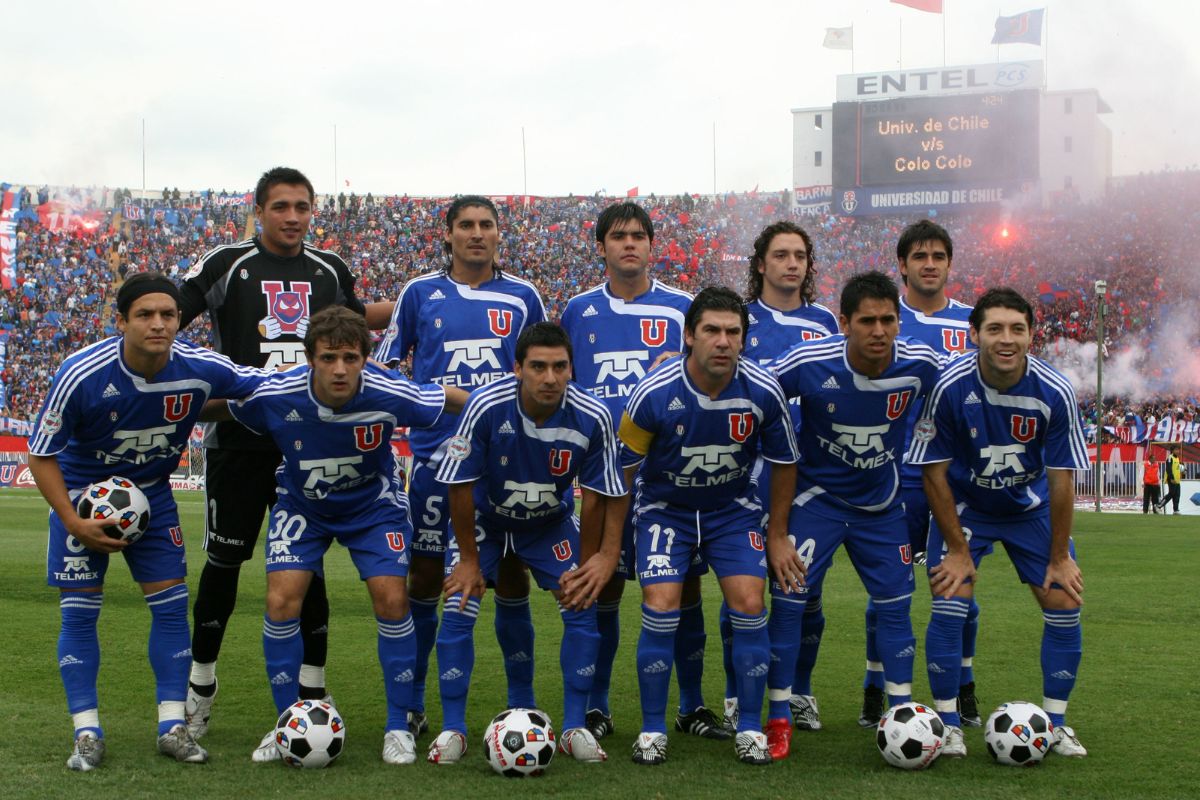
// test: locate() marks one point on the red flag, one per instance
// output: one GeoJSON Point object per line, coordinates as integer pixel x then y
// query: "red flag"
{"type": "Point", "coordinates": [932, 6]}
{"type": "Point", "coordinates": [632, 192]}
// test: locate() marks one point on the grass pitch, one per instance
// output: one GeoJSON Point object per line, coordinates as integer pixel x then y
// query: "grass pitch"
{"type": "Point", "coordinates": [1132, 707]}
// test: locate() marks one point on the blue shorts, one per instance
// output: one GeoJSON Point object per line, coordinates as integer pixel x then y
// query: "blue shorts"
{"type": "Point", "coordinates": [377, 538]}
{"type": "Point", "coordinates": [430, 508]}
{"type": "Point", "coordinates": [158, 556]}
{"type": "Point", "coordinates": [627, 561]}
{"type": "Point", "coordinates": [916, 516]}
{"type": "Point", "coordinates": [1026, 539]}
{"type": "Point", "coordinates": [669, 540]}
{"type": "Point", "coordinates": [548, 551]}
{"type": "Point", "coordinates": [877, 545]}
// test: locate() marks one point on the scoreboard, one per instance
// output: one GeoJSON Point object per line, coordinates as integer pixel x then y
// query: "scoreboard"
{"type": "Point", "coordinates": [928, 152]}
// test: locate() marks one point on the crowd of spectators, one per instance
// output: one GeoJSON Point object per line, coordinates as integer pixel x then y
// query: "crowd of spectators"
{"type": "Point", "coordinates": [74, 246]}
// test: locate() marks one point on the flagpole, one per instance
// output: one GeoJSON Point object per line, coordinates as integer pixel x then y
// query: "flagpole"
{"type": "Point", "coordinates": [1046, 47]}
{"type": "Point", "coordinates": [335, 183]}
{"type": "Point", "coordinates": [900, 38]}
{"type": "Point", "coordinates": [997, 43]}
{"type": "Point", "coordinates": [851, 52]}
{"type": "Point", "coordinates": [714, 158]}
{"type": "Point", "coordinates": [524, 166]}
{"type": "Point", "coordinates": [945, 6]}
{"type": "Point", "coordinates": [143, 158]}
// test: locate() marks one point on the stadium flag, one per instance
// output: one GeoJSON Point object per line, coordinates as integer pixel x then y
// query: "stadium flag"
{"type": "Point", "coordinates": [1020, 29]}
{"type": "Point", "coordinates": [839, 38]}
{"type": "Point", "coordinates": [8, 239]}
{"type": "Point", "coordinates": [932, 6]}
{"type": "Point", "coordinates": [3, 358]}
{"type": "Point", "coordinates": [132, 212]}
{"type": "Point", "coordinates": [632, 192]}
{"type": "Point", "coordinates": [1049, 292]}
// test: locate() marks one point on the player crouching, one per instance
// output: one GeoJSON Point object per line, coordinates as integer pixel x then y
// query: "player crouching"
{"type": "Point", "coordinates": [333, 420]}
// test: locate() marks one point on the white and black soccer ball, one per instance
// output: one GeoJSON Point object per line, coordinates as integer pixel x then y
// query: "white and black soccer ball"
{"type": "Point", "coordinates": [120, 501]}
{"type": "Point", "coordinates": [310, 734]}
{"type": "Point", "coordinates": [910, 736]}
{"type": "Point", "coordinates": [519, 742]}
{"type": "Point", "coordinates": [1018, 734]}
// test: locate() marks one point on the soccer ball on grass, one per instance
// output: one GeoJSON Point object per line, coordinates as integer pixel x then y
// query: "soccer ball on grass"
{"type": "Point", "coordinates": [1018, 734]}
{"type": "Point", "coordinates": [910, 736]}
{"type": "Point", "coordinates": [310, 734]}
{"type": "Point", "coordinates": [519, 743]}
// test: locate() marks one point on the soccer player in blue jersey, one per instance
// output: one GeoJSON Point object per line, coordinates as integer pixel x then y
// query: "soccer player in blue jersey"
{"type": "Point", "coordinates": [619, 330]}
{"type": "Point", "coordinates": [126, 406]}
{"type": "Point", "coordinates": [854, 391]}
{"type": "Point", "coordinates": [1000, 437]}
{"type": "Point", "coordinates": [695, 426]}
{"type": "Point", "coordinates": [460, 326]}
{"type": "Point", "coordinates": [520, 445]}
{"type": "Point", "coordinates": [333, 420]}
{"type": "Point", "coordinates": [924, 255]}
{"type": "Point", "coordinates": [780, 299]}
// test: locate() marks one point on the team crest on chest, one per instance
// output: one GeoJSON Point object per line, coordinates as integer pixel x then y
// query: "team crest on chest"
{"type": "Point", "coordinates": [954, 340]}
{"type": "Point", "coordinates": [500, 320]}
{"type": "Point", "coordinates": [287, 307]}
{"type": "Point", "coordinates": [368, 437]}
{"type": "Point", "coordinates": [741, 424]}
{"type": "Point", "coordinates": [1023, 428]}
{"type": "Point", "coordinates": [897, 403]}
{"type": "Point", "coordinates": [176, 406]}
{"type": "Point", "coordinates": [654, 332]}
{"type": "Point", "coordinates": [560, 462]}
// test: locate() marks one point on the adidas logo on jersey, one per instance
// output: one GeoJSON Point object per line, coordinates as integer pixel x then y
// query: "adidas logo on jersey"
{"type": "Point", "coordinates": [676, 405]}
{"type": "Point", "coordinates": [907, 652]}
{"type": "Point", "coordinates": [591, 311]}
{"type": "Point", "coordinates": [831, 383]}
{"type": "Point", "coordinates": [280, 679]}
{"type": "Point", "coordinates": [507, 427]}
{"type": "Point", "coordinates": [437, 295]}
{"type": "Point", "coordinates": [656, 667]}
{"type": "Point", "coordinates": [1062, 675]}
{"type": "Point", "coordinates": [68, 661]}
{"type": "Point", "coordinates": [519, 657]}
{"type": "Point", "coordinates": [111, 391]}
{"type": "Point", "coordinates": [293, 416]}
{"type": "Point", "coordinates": [452, 674]}
{"type": "Point", "coordinates": [972, 398]}
{"type": "Point", "coordinates": [405, 677]}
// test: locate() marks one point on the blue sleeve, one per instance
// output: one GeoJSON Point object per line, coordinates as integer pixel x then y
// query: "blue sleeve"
{"type": "Point", "coordinates": [251, 412]}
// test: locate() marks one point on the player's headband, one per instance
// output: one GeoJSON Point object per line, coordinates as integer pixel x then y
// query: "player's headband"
{"type": "Point", "coordinates": [142, 284]}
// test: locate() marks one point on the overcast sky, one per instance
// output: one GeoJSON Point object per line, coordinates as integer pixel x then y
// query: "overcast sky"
{"type": "Point", "coordinates": [430, 98]}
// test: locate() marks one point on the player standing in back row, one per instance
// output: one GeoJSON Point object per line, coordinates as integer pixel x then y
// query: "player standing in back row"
{"type": "Point", "coordinates": [619, 330]}
{"type": "Point", "coordinates": [925, 255]}
{"type": "Point", "coordinates": [259, 294]}
{"type": "Point", "coordinates": [460, 325]}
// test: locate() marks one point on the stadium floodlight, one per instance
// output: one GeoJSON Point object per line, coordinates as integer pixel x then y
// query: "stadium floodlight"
{"type": "Point", "coordinates": [1101, 291]}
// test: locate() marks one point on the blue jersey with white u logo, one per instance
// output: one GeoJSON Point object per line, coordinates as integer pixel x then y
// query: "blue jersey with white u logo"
{"type": "Point", "coordinates": [699, 452]}
{"type": "Point", "coordinates": [1000, 443]}
{"type": "Point", "coordinates": [337, 463]}
{"type": "Point", "coordinates": [523, 470]}
{"type": "Point", "coordinates": [948, 332]}
{"type": "Point", "coordinates": [458, 336]}
{"type": "Point", "coordinates": [614, 342]}
{"type": "Point", "coordinates": [853, 427]}
{"type": "Point", "coordinates": [102, 419]}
